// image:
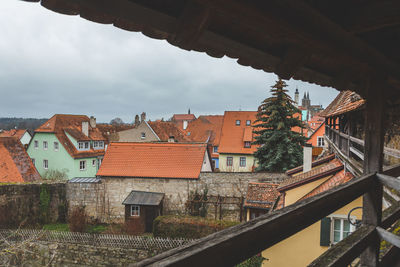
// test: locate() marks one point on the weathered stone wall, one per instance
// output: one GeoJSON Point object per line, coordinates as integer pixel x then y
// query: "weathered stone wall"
{"type": "Point", "coordinates": [63, 254]}
{"type": "Point", "coordinates": [20, 204]}
{"type": "Point", "coordinates": [177, 191]}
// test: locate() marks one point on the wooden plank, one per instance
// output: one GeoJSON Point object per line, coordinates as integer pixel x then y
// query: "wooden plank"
{"type": "Point", "coordinates": [389, 181]}
{"type": "Point", "coordinates": [388, 236]}
{"type": "Point", "coordinates": [392, 170]}
{"type": "Point", "coordinates": [225, 248]}
{"type": "Point", "coordinates": [373, 162]}
{"type": "Point", "coordinates": [357, 152]}
{"type": "Point", "coordinates": [390, 216]}
{"type": "Point", "coordinates": [344, 252]}
{"type": "Point", "coordinates": [293, 60]}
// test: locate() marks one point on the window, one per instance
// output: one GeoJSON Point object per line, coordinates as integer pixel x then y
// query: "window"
{"type": "Point", "coordinates": [101, 144]}
{"type": "Point", "coordinates": [80, 145]}
{"type": "Point", "coordinates": [237, 122]}
{"type": "Point", "coordinates": [320, 141]}
{"type": "Point", "coordinates": [248, 122]}
{"type": "Point", "coordinates": [45, 164]}
{"type": "Point", "coordinates": [229, 161]}
{"type": "Point", "coordinates": [247, 144]}
{"type": "Point", "coordinates": [215, 149]}
{"type": "Point", "coordinates": [143, 135]}
{"type": "Point", "coordinates": [82, 165]}
{"type": "Point", "coordinates": [95, 144]}
{"type": "Point", "coordinates": [36, 144]}
{"type": "Point", "coordinates": [334, 229]}
{"type": "Point", "coordinates": [45, 145]}
{"type": "Point", "coordinates": [94, 163]}
{"type": "Point", "coordinates": [341, 229]}
{"type": "Point", "coordinates": [242, 161]}
{"type": "Point", "coordinates": [56, 146]}
{"type": "Point", "coordinates": [33, 161]}
{"type": "Point", "coordinates": [135, 210]}
{"type": "Point", "coordinates": [86, 145]}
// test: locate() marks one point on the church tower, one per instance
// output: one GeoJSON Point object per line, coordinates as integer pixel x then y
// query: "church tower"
{"type": "Point", "coordinates": [296, 97]}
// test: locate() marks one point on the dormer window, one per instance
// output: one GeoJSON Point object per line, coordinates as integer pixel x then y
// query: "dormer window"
{"type": "Point", "coordinates": [80, 145]}
{"type": "Point", "coordinates": [247, 144]}
{"type": "Point", "coordinates": [237, 122]}
{"type": "Point", "coordinates": [83, 145]}
{"type": "Point", "coordinates": [248, 122]}
{"type": "Point", "coordinates": [86, 145]}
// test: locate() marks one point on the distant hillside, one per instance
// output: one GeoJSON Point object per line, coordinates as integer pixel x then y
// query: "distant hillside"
{"type": "Point", "coordinates": [21, 123]}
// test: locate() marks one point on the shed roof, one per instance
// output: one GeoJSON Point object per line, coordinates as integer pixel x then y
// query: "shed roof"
{"type": "Point", "coordinates": [84, 180]}
{"type": "Point", "coordinates": [143, 198]}
{"type": "Point", "coordinates": [261, 195]}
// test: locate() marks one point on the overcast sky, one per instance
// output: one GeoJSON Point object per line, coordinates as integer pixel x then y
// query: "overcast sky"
{"type": "Point", "coordinates": [52, 63]}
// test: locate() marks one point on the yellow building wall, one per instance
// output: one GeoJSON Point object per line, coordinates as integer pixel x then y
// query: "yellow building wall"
{"type": "Point", "coordinates": [250, 162]}
{"type": "Point", "coordinates": [293, 195]}
{"type": "Point", "coordinates": [302, 248]}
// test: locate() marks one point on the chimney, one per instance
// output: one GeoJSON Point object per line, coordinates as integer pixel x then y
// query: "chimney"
{"type": "Point", "coordinates": [143, 116]}
{"type": "Point", "coordinates": [307, 158]}
{"type": "Point", "coordinates": [185, 125]}
{"type": "Point", "coordinates": [137, 121]}
{"type": "Point", "coordinates": [92, 122]}
{"type": "Point", "coordinates": [171, 139]}
{"type": "Point", "coordinates": [85, 128]}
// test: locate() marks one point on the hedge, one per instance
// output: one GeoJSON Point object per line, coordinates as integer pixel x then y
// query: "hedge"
{"type": "Point", "coordinates": [187, 226]}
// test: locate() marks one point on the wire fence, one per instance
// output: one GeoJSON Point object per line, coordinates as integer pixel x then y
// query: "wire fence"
{"type": "Point", "coordinates": [98, 240]}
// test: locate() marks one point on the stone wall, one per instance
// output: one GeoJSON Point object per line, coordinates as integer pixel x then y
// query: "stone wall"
{"type": "Point", "coordinates": [63, 254]}
{"type": "Point", "coordinates": [21, 204]}
{"type": "Point", "coordinates": [177, 192]}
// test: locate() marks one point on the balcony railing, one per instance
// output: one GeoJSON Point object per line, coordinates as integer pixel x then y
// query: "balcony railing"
{"type": "Point", "coordinates": [235, 244]}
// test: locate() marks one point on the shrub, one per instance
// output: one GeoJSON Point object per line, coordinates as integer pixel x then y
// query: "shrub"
{"type": "Point", "coordinates": [254, 261]}
{"type": "Point", "coordinates": [187, 226]}
{"type": "Point", "coordinates": [78, 219]}
{"type": "Point", "coordinates": [44, 205]}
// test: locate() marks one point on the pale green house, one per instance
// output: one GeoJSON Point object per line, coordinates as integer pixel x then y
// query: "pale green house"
{"type": "Point", "coordinates": [67, 145]}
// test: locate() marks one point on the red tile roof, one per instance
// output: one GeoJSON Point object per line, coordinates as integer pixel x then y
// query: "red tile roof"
{"type": "Point", "coordinates": [153, 160]}
{"type": "Point", "coordinates": [13, 133]}
{"type": "Point", "coordinates": [319, 172]}
{"type": "Point", "coordinates": [60, 124]}
{"type": "Point", "coordinates": [183, 117]}
{"type": "Point", "coordinates": [344, 102]}
{"type": "Point", "coordinates": [339, 178]}
{"type": "Point", "coordinates": [165, 129]}
{"type": "Point", "coordinates": [15, 164]}
{"type": "Point", "coordinates": [261, 195]}
{"type": "Point", "coordinates": [232, 136]}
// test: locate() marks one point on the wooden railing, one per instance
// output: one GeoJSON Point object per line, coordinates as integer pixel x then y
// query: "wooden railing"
{"type": "Point", "coordinates": [235, 244]}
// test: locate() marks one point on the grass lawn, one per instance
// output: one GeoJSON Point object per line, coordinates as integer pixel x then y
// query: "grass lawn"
{"type": "Point", "coordinates": [61, 227]}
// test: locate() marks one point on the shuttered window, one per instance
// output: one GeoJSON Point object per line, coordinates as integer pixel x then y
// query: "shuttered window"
{"type": "Point", "coordinates": [325, 238]}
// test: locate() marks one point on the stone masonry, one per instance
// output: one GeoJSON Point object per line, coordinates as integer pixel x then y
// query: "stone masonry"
{"type": "Point", "coordinates": [104, 201]}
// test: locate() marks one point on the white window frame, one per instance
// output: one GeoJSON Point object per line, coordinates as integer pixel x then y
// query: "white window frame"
{"type": "Point", "coordinates": [45, 164]}
{"type": "Point", "coordinates": [237, 122]}
{"type": "Point", "coordinates": [87, 145]}
{"type": "Point", "coordinates": [342, 218]}
{"type": "Point", "coordinates": [101, 144]}
{"type": "Point", "coordinates": [82, 162]}
{"type": "Point", "coordinates": [247, 142]}
{"type": "Point", "coordinates": [95, 144]}
{"type": "Point", "coordinates": [36, 144]}
{"type": "Point", "coordinates": [81, 145]}
{"type": "Point", "coordinates": [56, 146]}
{"type": "Point", "coordinates": [240, 162]}
{"type": "Point", "coordinates": [45, 145]}
{"type": "Point", "coordinates": [227, 160]}
{"type": "Point", "coordinates": [248, 122]}
{"type": "Point", "coordinates": [135, 210]}
{"type": "Point", "coordinates": [320, 141]}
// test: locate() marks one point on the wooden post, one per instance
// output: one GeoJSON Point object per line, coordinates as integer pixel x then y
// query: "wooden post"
{"type": "Point", "coordinates": [373, 160]}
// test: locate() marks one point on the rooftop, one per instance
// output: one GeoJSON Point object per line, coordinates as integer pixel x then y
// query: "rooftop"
{"type": "Point", "coordinates": [166, 129]}
{"type": "Point", "coordinates": [13, 133]}
{"type": "Point", "coordinates": [153, 160]}
{"type": "Point", "coordinates": [15, 164]}
{"type": "Point", "coordinates": [344, 102]}
{"type": "Point", "coordinates": [261, 195]}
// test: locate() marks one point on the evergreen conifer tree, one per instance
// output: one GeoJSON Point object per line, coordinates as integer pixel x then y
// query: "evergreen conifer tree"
{"type": "Point", "coordinates": [280, 146]}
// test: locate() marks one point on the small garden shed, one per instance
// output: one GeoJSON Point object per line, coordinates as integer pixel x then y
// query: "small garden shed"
{"type": "Point", "coordinates": [141, 208]}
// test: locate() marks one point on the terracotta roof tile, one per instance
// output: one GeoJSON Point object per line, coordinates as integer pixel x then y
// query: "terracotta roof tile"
{"type": "Point", "coordinates": [13, 133]}
{"type": "Point", "coordinates": [337, 179]}
{"type": "Point", "coordinates": [261, 195]}
{"type": "Point", "coordinates": [319, 172]}
{"type": "Point", "coordinates": [182, 117]}
{"type": "Point", "coordinates": [154, 160]}
{"type": "Point", "coordinates": [72, 124]}
{"type": "Point", "coordinates": [15, 164]}
{"type": "Point", "coordinates": [344, 102]}
{"type": "Point", "coordinates": [232, 135]}
{"type": "Point", "coordinates": [165, 129]}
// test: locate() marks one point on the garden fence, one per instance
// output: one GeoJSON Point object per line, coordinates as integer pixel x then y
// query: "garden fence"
{"type": "Point", "coordinates": [98, 240]}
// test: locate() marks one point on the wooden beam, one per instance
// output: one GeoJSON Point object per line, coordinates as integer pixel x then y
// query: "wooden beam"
{"type": "Point", "coordinates": [226, 248]}
{"type": "Point", "coordinates": [293, 60]}
{"type": "Point", "coordinates": [390, 216]}
{"type": "Point", "coordinates": [388, 236]}
{"type": "Point", "coordinates": [374, 16]}
{"type": "Point", "coordinates": [373, 162]}
{"type": "Point", "coordinates": [344, 252]}
{"type": "Point", "coordinates": [192, 24]}
{"type": "Point", "coordinates": [389, 181]}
